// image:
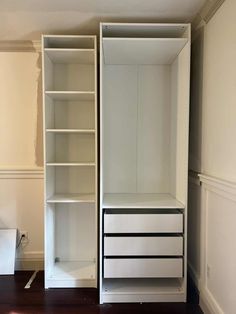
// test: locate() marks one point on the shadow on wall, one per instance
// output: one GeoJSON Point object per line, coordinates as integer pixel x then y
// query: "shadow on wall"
{"type": "Point", "coordinates": [195, 150]}
{"type": "Point", "coordinates": [196, 89]}
{"type": "Point", "coordinates": [39, 126]}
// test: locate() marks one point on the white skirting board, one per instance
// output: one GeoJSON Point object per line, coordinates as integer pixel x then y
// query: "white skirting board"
{"type": "Point", "coordinates": [208, 304]}
{"type": "Point", "coordinates": [33, 260]}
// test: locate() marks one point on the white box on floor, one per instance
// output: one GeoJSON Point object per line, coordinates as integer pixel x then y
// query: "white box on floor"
{"type": "Point", "coordinates": [7, 251]}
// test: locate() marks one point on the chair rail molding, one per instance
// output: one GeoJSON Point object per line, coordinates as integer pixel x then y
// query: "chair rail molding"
{"type": "Point", "coordinates": [22, 173]}
{"type": "Point", "coordinates": [225, 188]}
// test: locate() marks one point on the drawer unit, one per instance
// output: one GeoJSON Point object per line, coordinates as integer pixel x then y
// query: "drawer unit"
{"type": "Point", "coordinates": [143, 267]}
{"type": "Point", "coordinates": [165, 221]}
{"type": "Point", "coordinates": [123, 245]}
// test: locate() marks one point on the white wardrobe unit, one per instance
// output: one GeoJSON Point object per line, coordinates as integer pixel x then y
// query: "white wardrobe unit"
{"type": "Point", "coordinates": [70, 154]}
{"type": "Point", "coordinates": [144, 71]}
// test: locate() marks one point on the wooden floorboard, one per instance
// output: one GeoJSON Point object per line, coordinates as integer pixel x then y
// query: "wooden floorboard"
{"type": "Point", "coordinates": [14, 299]}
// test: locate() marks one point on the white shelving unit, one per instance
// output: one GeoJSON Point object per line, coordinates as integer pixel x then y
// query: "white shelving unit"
{"type": "Point", "coordinates": [70, 152]}
{"type": "Point", "coordinates": [144, 100]}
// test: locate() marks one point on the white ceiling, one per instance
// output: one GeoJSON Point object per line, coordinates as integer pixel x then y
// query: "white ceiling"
{"type": "Point", "coordinates": [28, 19]}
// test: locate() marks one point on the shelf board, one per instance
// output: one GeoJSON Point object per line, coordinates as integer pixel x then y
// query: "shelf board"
{"type": "Point", "coordinates": [67, 270]}
{"type": "Point", "coordinates": [85, 131]}
{"type": "Point", "coordinates": [70, 55]}
{"type": "Point", "coordinates": [139, 200]}
{"type": "Point", "coordinates": [71, 95]}
{"type": "Point", "coordinates": [80, 164]}
{"type": "Point", "coordinates": [145, 286]}
{"type": "Point", "coordinates": [142, 50]}
{"type": "Point", "coordinates": [72, 198]}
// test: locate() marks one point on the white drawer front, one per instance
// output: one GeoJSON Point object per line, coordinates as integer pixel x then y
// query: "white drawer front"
{"type": "Point", "coordinates": [139, 223]}
{"type": "Point", "coordinates": [115, 246]}
{"type": "Point", "coordinates": [143, 268]}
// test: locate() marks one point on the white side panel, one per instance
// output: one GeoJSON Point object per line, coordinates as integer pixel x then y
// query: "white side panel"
{"type": "Point", "coordinates": [143, 246]}
{"type": "Point", "coordinates": [134, 267]}
{"type": "Point", "coordinates": [119, 128]}
{"type": "Point", "coordinates": [49, 113]}
{"type": "Point", "coordinates": [180, 73]}
{"type": "Point", "coordinates": [153, 129]}
{"type": "Point", "coordinates": [49, 239]}
{"type": "Point", "coordinates": [135, 223]}
{"type": "Point", "coordinates": [48, 73]}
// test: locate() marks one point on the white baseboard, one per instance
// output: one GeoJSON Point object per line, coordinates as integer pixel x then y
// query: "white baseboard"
{"type": "Point", "coordinates": [208, 304]}
{"type": "Point", "coordinates": [30, 261]}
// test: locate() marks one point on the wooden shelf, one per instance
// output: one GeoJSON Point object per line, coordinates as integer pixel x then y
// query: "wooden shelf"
{"type": "Point", "coordinates": [68, 55]}
{"type": "Point", "coordinates": [83, 131]}
{"type": "Point", "coordinates": [72, 198]}
{"type": "Point", "coordinates": [79, 164]}
{"type": "Point", "coordinates": [142, 50]}
{"type": "Point", "coordinates": [135, 200]}
{"type": "Point", "coordinates": [71, 95]}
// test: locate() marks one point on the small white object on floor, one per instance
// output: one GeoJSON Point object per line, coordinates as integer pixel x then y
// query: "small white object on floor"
{"type": "Point", "coordinates": [27, 286]}
{"type": "Point", "coordinates": [7, 251]}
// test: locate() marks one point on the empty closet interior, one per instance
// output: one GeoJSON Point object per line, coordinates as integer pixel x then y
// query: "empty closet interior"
{"type": "Point", "coordinates": [144, 144]}
{"type": "Point", "coordinates": [70, 137]}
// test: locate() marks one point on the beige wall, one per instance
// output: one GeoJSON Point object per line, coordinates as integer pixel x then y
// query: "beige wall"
{"type": "Point", "coordinates": [20, 110]}
{"type": "Point", "coordinates": [212, 208]}
{"type": "Point", "coordinates": [21, 157]}
{"type": "Point", "coordinates": [219, 94]}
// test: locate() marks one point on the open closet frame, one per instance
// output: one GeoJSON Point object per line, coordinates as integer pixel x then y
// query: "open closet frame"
{"type": "Point", "coordinates": [144, 119]}
{"type": "Point", "coordinates": [69, 72]}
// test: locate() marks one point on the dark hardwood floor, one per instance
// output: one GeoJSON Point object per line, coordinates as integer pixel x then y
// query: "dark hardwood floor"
{"type": "Point", "coordinates": [14, 299]}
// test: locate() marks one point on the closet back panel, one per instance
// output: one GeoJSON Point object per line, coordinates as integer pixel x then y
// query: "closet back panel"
{"type": "Point", "coordinates": [74, 114]}
{"type": "Point", "coordinates": [73, 242]}
{"type": "Point", "coordinates": [120, 129]}
{"type": "Point", "coordinates": [69, 76]}
{"type": "Point", "coordinates": [74, 180]}
{"type": "Point", "coordinates": [153, 129]}
{"type": "Point", "coordinates": [136, 128]}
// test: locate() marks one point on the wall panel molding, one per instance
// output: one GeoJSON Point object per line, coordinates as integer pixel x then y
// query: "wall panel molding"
{"type": "Point", "coordinates": [208, 303]}
{"type": "Point", "coordinates": [219, 185]}
{"type": "Point", "coordinates": [32, 260]}
{"type": "Point", "coordinates": [215, 191]}
{"type": "Point", "coordinates": [20, 173]}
